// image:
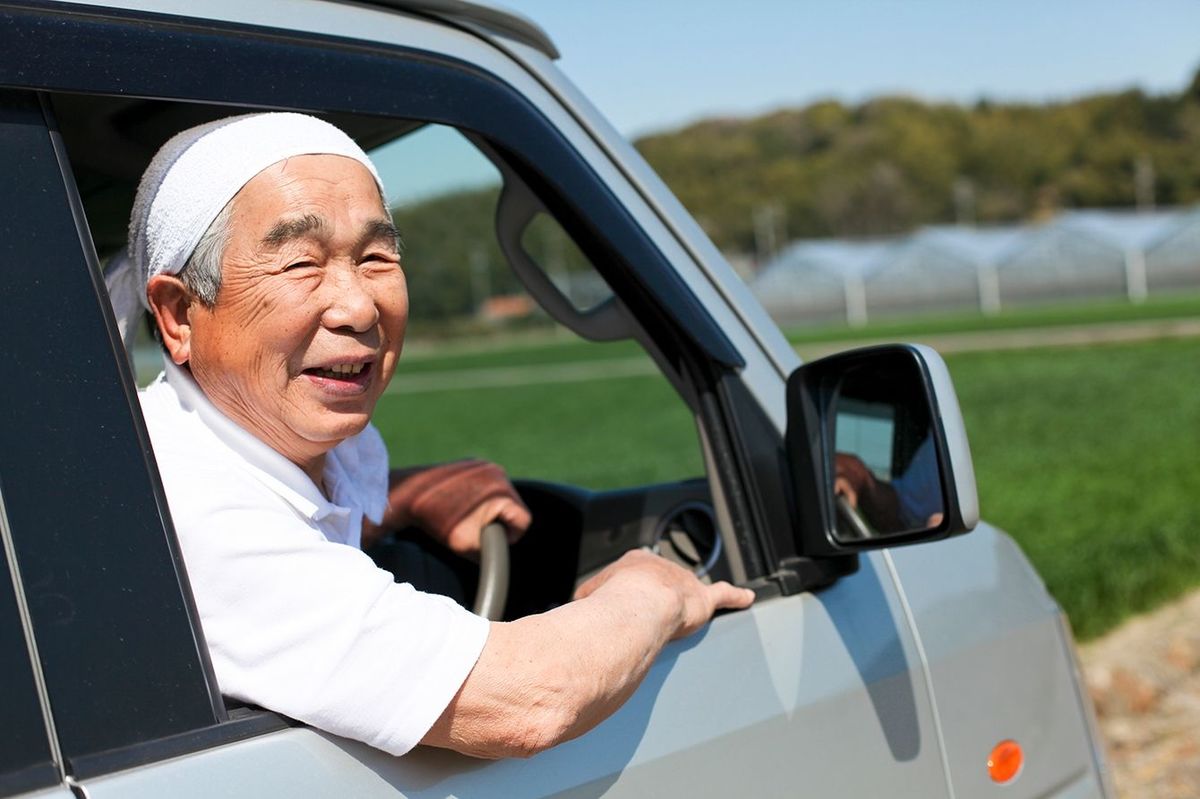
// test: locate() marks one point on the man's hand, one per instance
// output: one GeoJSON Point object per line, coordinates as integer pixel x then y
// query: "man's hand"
{"type": "Point", "coordinates": [875, 498]}
{"type": "Point", "coordinates": [453, 502]}
{"type": "Point", "coordinates": [647, 574]}
{"type": "Point", "coordinates": [853, 479]}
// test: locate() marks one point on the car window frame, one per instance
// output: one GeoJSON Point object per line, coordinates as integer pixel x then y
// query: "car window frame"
{"type": "Point", "coordinates": [31, 763]}
{"type": "Point", "coordinates": [674, 319]}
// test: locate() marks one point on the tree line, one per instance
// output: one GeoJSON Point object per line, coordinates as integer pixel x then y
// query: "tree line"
{"type": "Point", "coordinates": [894, 163]}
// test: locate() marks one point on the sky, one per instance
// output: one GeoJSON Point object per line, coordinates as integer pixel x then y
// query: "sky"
{"type": "Point", "coordinates": [654, 65]}
{"type": "Point", "coordinates": [657, 64]}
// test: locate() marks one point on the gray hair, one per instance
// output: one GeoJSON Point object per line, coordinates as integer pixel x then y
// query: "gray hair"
{"type": "Point", "coordinates": [202, 272]}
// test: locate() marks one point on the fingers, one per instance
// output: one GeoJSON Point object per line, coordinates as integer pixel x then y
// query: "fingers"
{"type": "Point", "coordinates": [464, 537]}
{"type": "Point", "coordinates": [725, 596]}
{"type": "Point", "coordinates": [515, 517]}
{"type": "Point", "coordinates": [843, 486]}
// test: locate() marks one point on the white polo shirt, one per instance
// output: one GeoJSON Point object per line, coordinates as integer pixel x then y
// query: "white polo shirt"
{"type": "Point", "coordinates": [297, 618]}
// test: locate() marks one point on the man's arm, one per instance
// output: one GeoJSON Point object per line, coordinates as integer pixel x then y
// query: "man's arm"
{"type": "Point", "coordinates": [545, 679]}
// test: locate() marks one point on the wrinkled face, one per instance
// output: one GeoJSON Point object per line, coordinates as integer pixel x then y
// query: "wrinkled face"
{"type": "Point", "coordinates": [308, 324]}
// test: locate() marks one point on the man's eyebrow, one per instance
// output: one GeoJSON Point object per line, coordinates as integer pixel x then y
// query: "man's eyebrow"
{"type": "Point", "coordinates": [286, 230]}
{"type": "Point", "coordinates": [382, 230]}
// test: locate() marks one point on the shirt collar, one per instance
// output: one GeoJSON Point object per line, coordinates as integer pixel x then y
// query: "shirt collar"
{"type": "Point", "coordinates": [285, 478]}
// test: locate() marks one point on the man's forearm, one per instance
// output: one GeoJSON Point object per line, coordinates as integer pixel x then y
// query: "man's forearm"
{"type": "Point", "coordinates": [546, 679]}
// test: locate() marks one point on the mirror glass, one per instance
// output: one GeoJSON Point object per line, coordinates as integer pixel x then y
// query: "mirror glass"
{"type": "Point", "coordinates": [886, 476]}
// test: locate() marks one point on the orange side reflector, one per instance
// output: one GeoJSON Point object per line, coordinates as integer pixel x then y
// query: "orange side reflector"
{"type": "Point", "coordinates": [1005, 761]}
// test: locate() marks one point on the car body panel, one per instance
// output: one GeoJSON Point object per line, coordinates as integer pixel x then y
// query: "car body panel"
{"type": "Point", "coordinates": [988, 628]}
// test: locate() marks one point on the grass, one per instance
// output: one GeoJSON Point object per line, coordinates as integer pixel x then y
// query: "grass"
{"type": "Point", "coordinates": [1086, 456]}
{"type": "Point", "coordinates": [599, 434]}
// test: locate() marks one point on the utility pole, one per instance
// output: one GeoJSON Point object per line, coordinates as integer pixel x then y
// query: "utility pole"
{"type": "Point", "coordinates": [964, 201]}
{"type": "Point", "coordinates": [1143, 182]}
{"type": "Point", "coordinates": [770, 230]}
{"type": "Point", "coordinates": [481, 278]}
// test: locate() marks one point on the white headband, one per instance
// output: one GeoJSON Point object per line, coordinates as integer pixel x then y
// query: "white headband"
{"type": "Point", "coordinates": [197, 172]}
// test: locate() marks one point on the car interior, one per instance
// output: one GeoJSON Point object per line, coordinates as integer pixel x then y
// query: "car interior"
{"type": "Point", "coordinates": [576, 530]}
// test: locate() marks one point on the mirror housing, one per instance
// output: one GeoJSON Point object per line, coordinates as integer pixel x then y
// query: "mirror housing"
{"type": "Point", "coordinates": [878, 452]}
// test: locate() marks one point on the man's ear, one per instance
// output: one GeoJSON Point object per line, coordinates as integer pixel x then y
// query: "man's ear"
{"type": "Point", "coordinates": [170, 302]}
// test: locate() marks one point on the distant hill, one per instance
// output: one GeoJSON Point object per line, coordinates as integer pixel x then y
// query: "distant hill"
{"type": "Point", "coordinates": [884, 166]}
{"type": "Point", "coordinates": [893, 163]}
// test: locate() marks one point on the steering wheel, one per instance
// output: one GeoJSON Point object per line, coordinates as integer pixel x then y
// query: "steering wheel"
{"type": "Point", "coordinates": [493, 572]}
{"type": "Point", "coordinates": [856, 527]}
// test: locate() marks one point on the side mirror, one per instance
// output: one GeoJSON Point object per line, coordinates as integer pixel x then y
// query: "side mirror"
{"type": "Point", "coordinates": [878, 452]}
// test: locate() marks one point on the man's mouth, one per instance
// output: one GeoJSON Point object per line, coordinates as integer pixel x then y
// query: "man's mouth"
{"type": "Point", "coordinates": [340, 371]}
{"type": "Point", "coordinates": [341, 378]}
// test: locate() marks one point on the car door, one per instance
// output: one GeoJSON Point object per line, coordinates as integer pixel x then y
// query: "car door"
{"type": "Point", "coordinates": [816, 691]}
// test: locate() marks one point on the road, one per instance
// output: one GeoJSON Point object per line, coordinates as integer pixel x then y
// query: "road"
{"type": "Point", "coordinates": [945, 343]}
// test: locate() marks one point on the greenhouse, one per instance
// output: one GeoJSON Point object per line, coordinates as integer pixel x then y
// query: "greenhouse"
{"type": "Point", "coordinates": [1078, 254]}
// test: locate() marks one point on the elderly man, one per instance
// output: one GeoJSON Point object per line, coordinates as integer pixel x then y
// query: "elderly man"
{"type": "Point", "coordinates": [272, 271]}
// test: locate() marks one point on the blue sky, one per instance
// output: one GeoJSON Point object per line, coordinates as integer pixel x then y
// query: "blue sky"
{"type": "Point", "coordinates": [657, 64]}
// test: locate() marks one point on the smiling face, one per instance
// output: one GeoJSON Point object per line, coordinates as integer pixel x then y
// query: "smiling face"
{"type": "Point", "coordinates": [309, 321]}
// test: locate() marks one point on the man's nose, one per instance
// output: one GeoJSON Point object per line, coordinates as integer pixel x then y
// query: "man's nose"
{"type": "Point", "coordinates": [351, 304]}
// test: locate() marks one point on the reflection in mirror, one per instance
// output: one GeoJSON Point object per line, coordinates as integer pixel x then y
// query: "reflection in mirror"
{"type": "Point", "coordinates": [886, 476]}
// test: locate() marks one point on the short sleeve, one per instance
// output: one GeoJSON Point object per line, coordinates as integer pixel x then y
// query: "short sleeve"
{"type": "Point", "coordinates": [312, 629]}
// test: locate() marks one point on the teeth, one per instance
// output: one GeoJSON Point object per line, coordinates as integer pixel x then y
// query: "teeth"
{"type": "Point", "coordinates": [342, 369]}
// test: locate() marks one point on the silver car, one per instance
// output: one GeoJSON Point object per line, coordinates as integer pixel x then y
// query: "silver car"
{"type": "Point", "coordinates": [882, 658]}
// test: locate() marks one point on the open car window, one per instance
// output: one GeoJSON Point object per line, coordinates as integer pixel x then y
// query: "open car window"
{"type": "Point", "coordinates": [486, 371]}
{"type": "Point", "coordinates": [603, 448]}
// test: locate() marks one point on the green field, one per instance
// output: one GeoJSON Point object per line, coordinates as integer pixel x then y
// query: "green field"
{"type": "Point", "coordinates": [1087, 456]}
{"type": "Point", "coordinates": [598, 433]}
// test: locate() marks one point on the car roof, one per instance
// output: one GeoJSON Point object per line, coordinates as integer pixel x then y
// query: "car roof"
{"type": "Point", "coordinates": [492, 19]}
{"type": "Point", "coordinates": [482, 19]}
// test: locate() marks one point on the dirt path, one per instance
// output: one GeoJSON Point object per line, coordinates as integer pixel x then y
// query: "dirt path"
{"type": "Point", "coordinates": [1144, 678]}
{"type": "Point", "coordinates": [1025, 338]}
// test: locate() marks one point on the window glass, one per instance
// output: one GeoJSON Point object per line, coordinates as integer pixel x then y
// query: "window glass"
{"type": "Point", "coordinates": [485, 372]}
{"type": "Point", "coordinates": [555, 252]}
